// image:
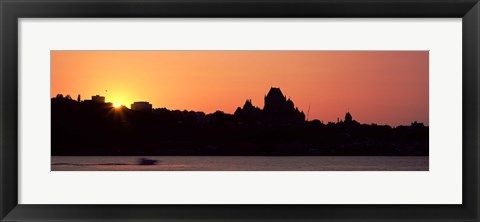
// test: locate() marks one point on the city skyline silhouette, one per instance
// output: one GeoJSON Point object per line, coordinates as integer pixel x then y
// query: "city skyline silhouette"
{"type": "Point", "coordinates": [275, 95]}
{"type": "Point", "coordinates": [96, 127]}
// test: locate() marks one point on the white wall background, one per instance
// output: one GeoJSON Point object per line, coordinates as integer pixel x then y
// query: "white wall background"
{"type": "Point", "coordinates": [441, 185]}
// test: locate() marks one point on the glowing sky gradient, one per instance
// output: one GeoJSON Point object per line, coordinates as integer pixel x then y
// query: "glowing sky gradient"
{"type": "Point", "coordinates": [383, 87]}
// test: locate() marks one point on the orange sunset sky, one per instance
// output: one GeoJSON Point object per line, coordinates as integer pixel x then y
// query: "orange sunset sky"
{"type": "Point", "coordinates": [383, 87]}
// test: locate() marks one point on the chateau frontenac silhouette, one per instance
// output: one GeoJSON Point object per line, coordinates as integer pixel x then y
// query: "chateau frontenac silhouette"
{"type": "Point", "coordinates": [93, 127]}
{"type": "Point", "coordinates": [277, 110]}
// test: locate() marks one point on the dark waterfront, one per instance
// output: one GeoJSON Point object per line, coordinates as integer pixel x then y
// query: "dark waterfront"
{"type": "Point", "coordinates": [95, 128]}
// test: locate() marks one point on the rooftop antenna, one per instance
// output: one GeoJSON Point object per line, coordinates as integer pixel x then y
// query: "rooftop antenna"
{"type": "Point", "coordinates": [308, 111]}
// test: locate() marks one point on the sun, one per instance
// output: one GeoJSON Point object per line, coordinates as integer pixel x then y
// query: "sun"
{"type": "Point", "coordinates": [117, 105]}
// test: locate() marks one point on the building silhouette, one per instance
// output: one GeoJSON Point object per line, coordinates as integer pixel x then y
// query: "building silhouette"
{"type": "Point", "coordinates": [279, 109]}
{"type": "Point", "coordinates": [141, 106]}
{"type": "Point", "coordinates": [249, 113]}
{"type": "Point", "coordinates": [95, 99]}
{"type": "Point", "coordinates": [348, 118]}
{"type": "Point", "coordinates": [98, 99]}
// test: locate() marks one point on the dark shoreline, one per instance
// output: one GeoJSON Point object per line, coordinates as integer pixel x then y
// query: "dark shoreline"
{"type": "Point", "coordinates": [93, 127]}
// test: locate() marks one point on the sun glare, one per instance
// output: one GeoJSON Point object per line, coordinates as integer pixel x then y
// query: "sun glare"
{"type": "Point", "coordinates": [117, 105]}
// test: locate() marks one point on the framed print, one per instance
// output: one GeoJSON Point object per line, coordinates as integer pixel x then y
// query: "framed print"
{"type": "Point", "coordinates": [225, 110]}
{"type": "Point", "coordinates": [207, 133]}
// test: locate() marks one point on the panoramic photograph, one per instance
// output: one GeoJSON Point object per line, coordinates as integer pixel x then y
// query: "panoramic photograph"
{"type": "Point", "coordinates": [239, 110]}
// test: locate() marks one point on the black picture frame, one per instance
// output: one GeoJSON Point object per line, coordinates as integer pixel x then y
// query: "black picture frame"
{"type": "Point", "coordinates": [12, 10]}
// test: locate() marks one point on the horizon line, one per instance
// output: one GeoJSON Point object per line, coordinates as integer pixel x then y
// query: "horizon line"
{"type": "Point", "coordinates": [323, 122]}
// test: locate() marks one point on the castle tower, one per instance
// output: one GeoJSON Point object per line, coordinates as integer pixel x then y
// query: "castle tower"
{"type": "Point", "coordinates": [274, 100]}
{"type": "Point", "coordinates": [348, 118]}
{"type": "Point", "coordinates": [278, 109]}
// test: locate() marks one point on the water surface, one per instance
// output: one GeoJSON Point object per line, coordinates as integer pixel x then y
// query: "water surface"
{"type": "Point", "coordinates": [242, 163]}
